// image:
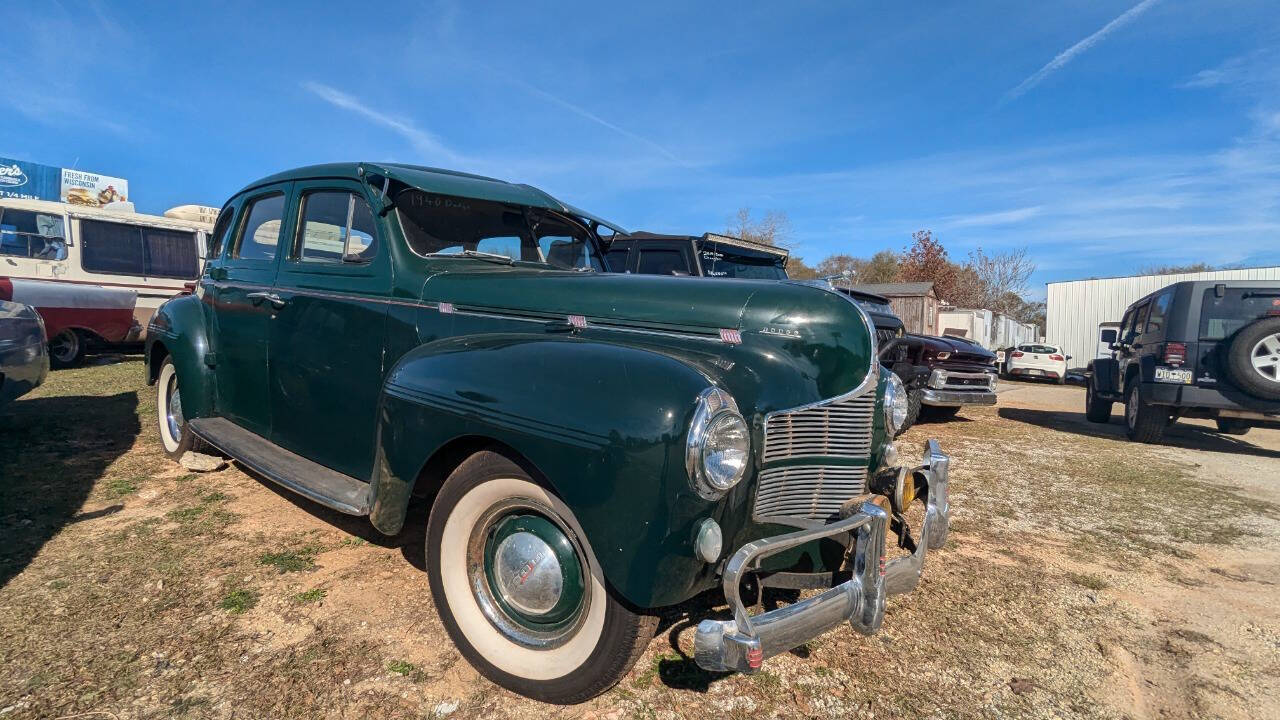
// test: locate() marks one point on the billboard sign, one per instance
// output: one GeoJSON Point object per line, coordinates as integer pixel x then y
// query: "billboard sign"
{"type": "Point", "coordinates": [33, 181]}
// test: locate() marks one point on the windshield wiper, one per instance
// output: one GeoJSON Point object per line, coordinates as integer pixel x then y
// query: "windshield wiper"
{"type": "Point", "coordinates": [477, 254]}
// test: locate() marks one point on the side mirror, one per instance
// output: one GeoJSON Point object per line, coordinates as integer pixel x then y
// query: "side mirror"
{"type": "Point", "coordinates": [1068, 357]}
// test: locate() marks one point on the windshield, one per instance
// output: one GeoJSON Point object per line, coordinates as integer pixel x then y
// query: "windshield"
{"type": "Point", "coordinates": [1221, 317]}
{"type": "Point", "coordinates": [444, 226]}
{"type": "Point", "coordinates": [874, 306]}
{"type": "Point", "coordinates": [720, 260]}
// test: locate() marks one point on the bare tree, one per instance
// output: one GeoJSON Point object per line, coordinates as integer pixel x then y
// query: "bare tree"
{"type": "Point", "coordinates": [1176, 269]}
{"type": "Point", "coordinates": [774, 228]}
{"type": "Point", "coordinates": [798, 270]}
{"type": "Point", "coordinates": [1001, 277]}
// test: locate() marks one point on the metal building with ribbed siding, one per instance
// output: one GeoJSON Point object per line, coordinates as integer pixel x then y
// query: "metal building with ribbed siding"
{"type": "Point", "coordinates": [1077, 307]}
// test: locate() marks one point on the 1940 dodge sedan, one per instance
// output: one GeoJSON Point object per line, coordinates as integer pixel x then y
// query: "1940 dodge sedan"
{"type": "Point", "coordinates": [593, 446]}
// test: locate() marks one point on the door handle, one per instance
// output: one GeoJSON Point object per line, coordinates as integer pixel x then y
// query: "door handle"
{"type": "Point", "coordinates": [275, 300]}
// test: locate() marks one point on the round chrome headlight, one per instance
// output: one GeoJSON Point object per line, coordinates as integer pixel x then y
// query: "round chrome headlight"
{"type": "Point", "coordinates": [895, 404]}
{"type": "Point", "coordinates": [719, 445]}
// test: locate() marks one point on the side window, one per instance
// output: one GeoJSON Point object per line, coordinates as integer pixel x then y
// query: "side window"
{"type": "Point", "coordinates": [617, 260]}
{"type": "Point", "coordinates": [1159, 311]}
{"type": "Point", "coordinates": [170, 253]}
{"type": "Point", "coordinates": [114, 248]}
{"type": "Point", "coordinates": [30, 234]}
{"type": "Point", "coordinates": [260, 234]}
{"type": "Point", "coordinates": [336, 226]}
{"type": "Point", "coordinates": [1139, 320]}
{"type": "Point", "coordinates": [1109, 335]}
{"type": "Point", "coordinates": [218, 239]}
{"type": "Point", "coordinates": [662, 262]}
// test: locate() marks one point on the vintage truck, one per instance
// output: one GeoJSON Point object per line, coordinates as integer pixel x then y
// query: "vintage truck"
{"type": "Point", "coordinates": [593, 446]}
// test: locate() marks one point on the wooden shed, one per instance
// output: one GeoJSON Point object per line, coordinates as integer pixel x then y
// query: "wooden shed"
{"type": "Point", "coordinates": [915, 302]}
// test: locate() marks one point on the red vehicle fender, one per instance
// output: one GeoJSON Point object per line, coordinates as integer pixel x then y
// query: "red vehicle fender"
{"type": "Point", "coordinates": [106, 312]}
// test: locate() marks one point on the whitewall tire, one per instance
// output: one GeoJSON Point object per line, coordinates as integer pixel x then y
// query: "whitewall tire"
{"type": "Point", "coordinates": [543, 623]}
{"type": "Point", "coordinates": [175, 438]}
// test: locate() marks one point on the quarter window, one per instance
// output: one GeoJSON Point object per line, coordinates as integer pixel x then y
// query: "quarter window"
{"type": "Point", "coordinates": [336, 227]}
{"type": "Point", "coordinates": [261, 232]}
{"type": "Point", "coordinates": [1159, 310]}
{"type": "Point", "coordinates": [220, 231]}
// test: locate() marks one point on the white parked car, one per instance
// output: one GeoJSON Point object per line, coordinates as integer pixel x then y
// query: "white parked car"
{"type": "Point", "coordinates": [1038, 361]}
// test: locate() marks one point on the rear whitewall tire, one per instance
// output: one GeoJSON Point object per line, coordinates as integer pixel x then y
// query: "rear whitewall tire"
{"type": "Point", "coordinates": [603, 645]}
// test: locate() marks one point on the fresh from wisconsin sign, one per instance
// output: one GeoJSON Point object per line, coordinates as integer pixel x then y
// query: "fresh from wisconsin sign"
{"type": "Point", "coordinates": [33, 181]}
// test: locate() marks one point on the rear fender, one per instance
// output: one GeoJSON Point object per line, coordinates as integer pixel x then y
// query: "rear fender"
{"type": "Point", "coordinates": [602, 424]}
{"type": "Point", "coordinates": [1105, 375]}
{"type": "Point", "coordinates": [179, 329]}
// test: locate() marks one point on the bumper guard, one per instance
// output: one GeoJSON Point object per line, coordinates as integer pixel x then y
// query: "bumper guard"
{"type": "Point", "coordinates": [742, 644]}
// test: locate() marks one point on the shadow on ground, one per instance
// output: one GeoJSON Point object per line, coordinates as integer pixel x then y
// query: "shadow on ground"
{"type": "Point", "coordinates": [52, 451]}
{"type": "Point", "coordinates": [1180, 435]}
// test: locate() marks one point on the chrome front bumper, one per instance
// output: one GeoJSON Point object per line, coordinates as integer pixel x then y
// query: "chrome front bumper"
{"type": "Point", "coordinates": [953, 398]}
{"type": "Point", "coordinates": [742, 644]}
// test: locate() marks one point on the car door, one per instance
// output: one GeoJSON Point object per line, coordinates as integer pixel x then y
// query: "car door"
{"type": "Point", "coordinates": [242, 284]}
{"type": "Point", "coordinates": [1130, 347]}
{"type": "Point", "coordinates": [328, 329]}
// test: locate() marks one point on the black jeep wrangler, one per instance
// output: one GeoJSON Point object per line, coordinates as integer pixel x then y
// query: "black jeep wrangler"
{"type": "Point", "coordinates": [1197, 350]}
{"type": "Point", "coordinates": [940, 374]}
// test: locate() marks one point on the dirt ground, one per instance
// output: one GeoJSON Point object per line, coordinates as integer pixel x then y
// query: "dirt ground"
{"type": "Point", "coordinates": [1086, 576]}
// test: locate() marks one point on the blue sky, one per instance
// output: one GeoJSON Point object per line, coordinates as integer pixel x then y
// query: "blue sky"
{"type": "Point", "coordinates": [1105, 136]}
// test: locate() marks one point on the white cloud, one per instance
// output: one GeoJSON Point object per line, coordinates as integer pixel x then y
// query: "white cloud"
{"type": "Point", "coordinates": [1003, 217]}
{"type": "Point", "coordinates": [423, 141]}
{"type": "Point", "coordinates": [1072, 52]}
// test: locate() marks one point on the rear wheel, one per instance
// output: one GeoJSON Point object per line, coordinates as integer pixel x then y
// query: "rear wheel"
{"type": "Point", "coordinates": [519, 589]}
{"type": "Point", "coordinates": [1233, 427]}
{"type": "Point", "coordinates": [66, 349]}
{"type": "Point", "coordinates": [1095, 408]}
{"type": "Point", "coordinates": [1145, 422]}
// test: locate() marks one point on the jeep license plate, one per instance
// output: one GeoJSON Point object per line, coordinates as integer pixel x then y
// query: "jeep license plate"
{"type": "Point", "coordinates": [1182, 376]}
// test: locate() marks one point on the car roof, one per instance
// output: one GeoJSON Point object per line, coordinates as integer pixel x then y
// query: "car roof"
{"type": "Point", "coordinates": [438, 180]}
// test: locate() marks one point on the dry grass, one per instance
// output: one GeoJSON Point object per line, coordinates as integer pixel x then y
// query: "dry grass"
{"type": "Point", "coordinates": [131, 587]}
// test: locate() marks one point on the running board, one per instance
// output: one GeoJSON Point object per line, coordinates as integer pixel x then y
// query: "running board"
{"type": "Point", "coordinates": [312, 480]}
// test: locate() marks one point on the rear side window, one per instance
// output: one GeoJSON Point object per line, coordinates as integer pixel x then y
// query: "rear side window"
{"type": "Point", "coordinates": [336, 226]}
{"type": "Point", "coordinates": [1222, 317]}
{"type": "Point", "coordinates": [121, 249]}
{"type": "Point", "coordinates": [662, 262]}
{"type": "Point", "coordinates": [617, 260]}
{"type": "Point", "coordinates": [260, 234]}
{"type": "Point", "coordinates": [1159, 311]}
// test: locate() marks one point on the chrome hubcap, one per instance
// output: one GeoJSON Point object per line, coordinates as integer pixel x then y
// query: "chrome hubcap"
{"type": "Point", "coordinates": [65, 346]}
{"type": "Point", "coordinates": [527, 573]}
{"type": "Point", "coordinates": [173, 414]}
{"type": "Point", "coordinates": [1265, 358]}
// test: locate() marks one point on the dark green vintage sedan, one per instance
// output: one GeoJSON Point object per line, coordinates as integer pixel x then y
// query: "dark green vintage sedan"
{"type": "Point", "coordinates": [594, 446]}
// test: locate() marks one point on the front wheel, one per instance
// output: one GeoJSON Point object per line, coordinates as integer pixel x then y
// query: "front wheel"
{"type": "Point", "coordinates": [519, 589]}
{"type": "Point", "coordinates": [175, 438]}
{"type": "Point", "coordinates": [1096, 409]}
{"type": "Point", "coordinates": [1144, 422]}
{"type": "Point", "coordinates": [914, 398]}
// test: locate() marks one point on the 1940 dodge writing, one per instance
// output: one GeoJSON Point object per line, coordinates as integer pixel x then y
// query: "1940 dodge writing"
{"type": "Point", "coordinates": [594, 446]}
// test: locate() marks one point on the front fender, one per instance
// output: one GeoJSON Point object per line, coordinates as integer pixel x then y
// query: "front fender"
{"type": "Point", "coordinates": [181, 326]}
{"type": "Point", "coordinates": [603, 423]}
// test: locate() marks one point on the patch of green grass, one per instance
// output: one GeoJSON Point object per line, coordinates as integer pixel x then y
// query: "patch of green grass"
{"type": "Point", "coordinates": [186, 478]}
{"type": "Point", "coordinates": [187, 514]}
{"type": "Point", "coordinates": [239, 601]}
{"type": "Point", "coordinates": [310, 596]}
{"type": "Point", "coordinates": [353, 542]}
{"type": "Point", "coordinates": [286, 561]}
{"type": "Point", "coordinates": [121, 486]}
{"type": "Point", "coordinates": [59, 584]}
{"type": "Point", "coordinates": [213, 497]}
{"type": "Point", "coordinates": [407, 669]}
{"type": "Point", "coordinates": [1093, 582]}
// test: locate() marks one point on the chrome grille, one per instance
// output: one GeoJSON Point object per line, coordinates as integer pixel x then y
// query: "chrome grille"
{"type": "Point", "coordinates": [842, 429]}
{"type": "Point", "coordinates": [809, 492]}
{"type": "Point", "coordinates": [815, 491]}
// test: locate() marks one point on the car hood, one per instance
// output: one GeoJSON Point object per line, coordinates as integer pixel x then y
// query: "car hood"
{"type": "Point", "coordinates": [808, 342]}
{"type": "Point", "coordinates": [955, 346]}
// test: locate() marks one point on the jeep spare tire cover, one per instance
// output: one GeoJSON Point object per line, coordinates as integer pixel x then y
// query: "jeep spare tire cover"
{"type": "Point", "coordinates": [1253, 359]}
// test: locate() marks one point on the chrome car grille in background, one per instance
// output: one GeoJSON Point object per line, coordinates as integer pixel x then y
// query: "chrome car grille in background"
{"type": "Point", "coordinates": [815, 491]}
